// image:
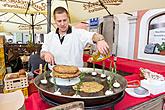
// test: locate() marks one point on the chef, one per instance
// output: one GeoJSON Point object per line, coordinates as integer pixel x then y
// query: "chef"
{"type": "Point", "coordinates": [65, 46]}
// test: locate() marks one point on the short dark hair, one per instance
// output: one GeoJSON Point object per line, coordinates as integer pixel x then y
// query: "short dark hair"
{"type": "Point", "coordinates": [60, 10]}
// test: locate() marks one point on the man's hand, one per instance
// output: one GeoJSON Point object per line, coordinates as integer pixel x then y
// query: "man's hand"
{"type": "Point", "coordinates": [48, 57]}
{"type": "Point", "coordinates": [101, 44]}
{"type": "Point", "coordinates": [102, 47]}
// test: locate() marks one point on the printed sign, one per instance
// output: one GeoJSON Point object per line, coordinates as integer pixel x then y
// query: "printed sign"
{"type": "Point", "coordinates": [94, 21]}
{"type": "Point", "coordinates": [157, 30]}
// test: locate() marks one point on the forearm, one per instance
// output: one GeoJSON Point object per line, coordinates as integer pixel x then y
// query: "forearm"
{"type": "Point", "coordinates": [97, 37]}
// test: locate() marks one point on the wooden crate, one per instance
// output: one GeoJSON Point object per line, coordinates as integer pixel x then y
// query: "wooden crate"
{"type": "Point", "coordinates": [2, 73]}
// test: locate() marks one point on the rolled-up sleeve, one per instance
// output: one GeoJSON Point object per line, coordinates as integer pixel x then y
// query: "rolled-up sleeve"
{"type": "Point", "coordinates": [86, 36]}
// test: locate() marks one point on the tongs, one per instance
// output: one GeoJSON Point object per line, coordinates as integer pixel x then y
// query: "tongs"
{"type": "Point", "coordinates": [133, 84]}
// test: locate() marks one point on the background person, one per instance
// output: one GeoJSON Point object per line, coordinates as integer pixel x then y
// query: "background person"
{"type": "Point", "coordinates": [35, 61]}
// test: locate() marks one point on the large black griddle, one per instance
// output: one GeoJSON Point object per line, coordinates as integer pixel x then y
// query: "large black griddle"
{"type": "Point", "coordinates": [92, 100]}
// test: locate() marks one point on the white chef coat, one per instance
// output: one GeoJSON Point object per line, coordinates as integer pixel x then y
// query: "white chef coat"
{"type": "Point", "coordinates": [70, 52]}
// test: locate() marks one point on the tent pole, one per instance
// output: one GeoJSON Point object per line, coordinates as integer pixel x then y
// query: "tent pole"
{"type": "Point", "coordinates": [48, 16]}
{"type": "Point", "coordinates": [33, 27]}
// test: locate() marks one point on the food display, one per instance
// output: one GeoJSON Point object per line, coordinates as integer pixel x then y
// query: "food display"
{"type": "Point", "coordinates": [65, 72]}
{"type": "Point", "coordinates": [92, 89]}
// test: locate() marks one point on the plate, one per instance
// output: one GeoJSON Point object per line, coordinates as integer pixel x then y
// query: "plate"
{"type": "Point", "coordinates": [131, 92]}
{"type": "Point", "coordinates": [50, 67]}
{"type": "Point", "coordinates": [64, 82]}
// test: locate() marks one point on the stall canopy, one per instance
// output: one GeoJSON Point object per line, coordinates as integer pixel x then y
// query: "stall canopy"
{"type": "Point", "coordinates": [80, 10]}
{"type": "Point", "coordinates": [23, 16]}
{"type": "Point", "coordinates": [14, 22]}
{"type": "Point", "coordinates": [85, 9]}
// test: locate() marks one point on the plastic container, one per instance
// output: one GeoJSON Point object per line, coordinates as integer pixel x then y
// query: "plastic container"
{"type": "Point", "coordinates": [15, 83]}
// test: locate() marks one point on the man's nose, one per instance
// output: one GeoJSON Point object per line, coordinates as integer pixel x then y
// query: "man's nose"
{"type": "Point", "coordinates": [62, 23]}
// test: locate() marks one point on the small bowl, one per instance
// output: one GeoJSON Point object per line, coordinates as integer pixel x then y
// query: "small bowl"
{"type": "Point", "coordinates": [94, 73]}
{"type": "Point", "coordinates": [141, 90]}
{"type": "Point", "coordinates": [103, 76]}
{"type": "Point", "coordinates": [43, 81]}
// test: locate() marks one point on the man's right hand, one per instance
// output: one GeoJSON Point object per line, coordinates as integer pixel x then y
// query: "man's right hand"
{"type": "Point", "coordinates": [48, 57]}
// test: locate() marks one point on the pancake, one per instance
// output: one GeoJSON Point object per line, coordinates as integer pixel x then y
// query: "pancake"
{"type": "Point", "coordinates": [90, 87]}
{"type": "Point", "coordinates": [66, 76]}
{"type": "Point", "coordinates": [65, 71]}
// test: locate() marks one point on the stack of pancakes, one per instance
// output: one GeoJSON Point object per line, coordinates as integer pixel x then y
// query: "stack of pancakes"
{"type": "Point", "coordinates": [65, 71]}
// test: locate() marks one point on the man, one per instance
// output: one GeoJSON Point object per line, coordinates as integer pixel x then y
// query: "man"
{"type": "Point", "coordinates": [65, 46]}
{"type": "Point", "coordinates": [35, 61]}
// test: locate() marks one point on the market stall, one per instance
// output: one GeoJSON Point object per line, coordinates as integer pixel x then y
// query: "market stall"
{"type": "Point", "coordinates": [41, 92]}
{"type": "Point", "coordinates": [129, 101]}
{"type": "Point", "coordinates": [35, 102]}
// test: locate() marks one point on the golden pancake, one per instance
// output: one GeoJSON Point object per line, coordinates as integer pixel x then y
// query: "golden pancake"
{"type": "Point", "coordinates": [90, 87]}
{"type": "Point", "coordinates": [66, 76]}
{"type": "Point", "coordinates": [65, 69]}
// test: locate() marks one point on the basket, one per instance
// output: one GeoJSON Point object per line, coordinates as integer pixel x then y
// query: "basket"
{"type": "Point", "coordinates": [11, 84]}
{"type": "Point", "coordinates": [24, 91]}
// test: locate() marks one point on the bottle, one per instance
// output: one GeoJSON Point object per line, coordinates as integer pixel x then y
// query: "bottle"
{"type": "Point", "coordinates": [97, 56]}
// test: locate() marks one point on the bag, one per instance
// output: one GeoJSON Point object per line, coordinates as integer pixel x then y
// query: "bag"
{"type": "Point", "coordinates": [150, 48]}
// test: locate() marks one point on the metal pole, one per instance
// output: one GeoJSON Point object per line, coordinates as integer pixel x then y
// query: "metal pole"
{"type": "Point", "coordinates": [33, 27]}
{"type": "Point", "coordinates": [48, 16]}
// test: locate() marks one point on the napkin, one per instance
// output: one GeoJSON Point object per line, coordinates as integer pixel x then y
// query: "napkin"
{"type": "Point", "coordinates": [154, 86]}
